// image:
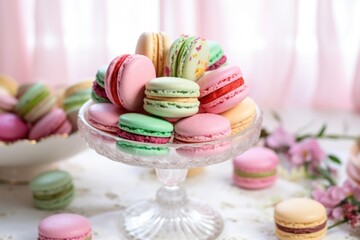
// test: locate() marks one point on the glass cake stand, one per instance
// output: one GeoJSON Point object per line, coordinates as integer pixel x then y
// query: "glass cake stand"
{"type": "Point", "coordinates": [172, 215]}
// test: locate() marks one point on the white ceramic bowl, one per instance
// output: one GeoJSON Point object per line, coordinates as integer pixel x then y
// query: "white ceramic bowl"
{"type": "Point", "coordinates": [23, 159]}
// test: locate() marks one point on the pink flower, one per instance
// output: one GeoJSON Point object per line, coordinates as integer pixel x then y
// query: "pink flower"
{"type": "Point", "coordinates": [308, 150]}
{"type": "Point", "coordinates": [280, 139]}
{"type": "Point", "coordinates": [337, 214]}
{"type": "Point", "coordinates": [330, 197]}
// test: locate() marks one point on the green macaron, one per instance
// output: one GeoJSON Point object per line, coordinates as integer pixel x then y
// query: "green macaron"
{"type": "Point", "coordinates": [140, 129]}
{"type": "Point", "coordinates": [188, 58]}
{"type": "Point", "coordinates": [171, 97]}
{"type": "Point", "coordinates": [100, 75]}
{"type": "Point", "coordinates": [52, 189]}
{"type": "Point", "coordinates": [35, 102]}
{"type": "Point", "coordinates": [76, 100]}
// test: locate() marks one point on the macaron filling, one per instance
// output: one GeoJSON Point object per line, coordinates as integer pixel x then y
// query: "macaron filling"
{"type": "Point", "coordinates": [100, 91]}
{"type": "Point", "coordinates": [221, 91]}
{"type": "Point", "coordinates": [142, 138]}
{"type": "Point", "coordinates": [114, 76]}
{"type": "Point", "coordinates": [264, 174]}
{"type": "Point", "coordinates": [219, 63]}
{"type": "Point", "coordinates": [307, 230]}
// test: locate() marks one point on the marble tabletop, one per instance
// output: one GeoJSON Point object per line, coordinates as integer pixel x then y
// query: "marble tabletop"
{"type": "Point", "coordinates": [103, 188]}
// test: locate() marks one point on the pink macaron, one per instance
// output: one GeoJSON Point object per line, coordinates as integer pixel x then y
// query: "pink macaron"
{"type": "Point", "coordinates": [64, 226]}
{"type": "Point", "coordinates": [12, 127]}
{"type": "Point", "coordinates": [222, 89]}
{"type": "Point", "coordinates": [199, 128]}
{"type": "Point", "coordinates": [54, 122]}
{"type": "Point", "coordinates": [255, 168]}
{"type": "Point", "coordinates": [105, 116]}
{"type": "Point", "coordinates": [7, 102]}
{"type": "Point", "coordinates": [125, 80]}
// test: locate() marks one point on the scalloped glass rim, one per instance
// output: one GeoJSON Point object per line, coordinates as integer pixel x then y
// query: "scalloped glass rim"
{"type": "Point", "coordinates": [33, 142]}
{"type": "Point", "coordinates": [171, 145]}
{"type": "Point", "coordinates": [176, 156]}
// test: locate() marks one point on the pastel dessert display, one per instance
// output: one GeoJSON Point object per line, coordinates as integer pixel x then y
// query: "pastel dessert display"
{"type": "Point", "coordinates": [193, 130]}
{"type": "Point", "coordinates": [171, 97]}
{"type": "Point", "coordinates": [35, 102]}
{"type": "Point", "coordinates": [98, 93]}
{"type": "Point", "coordinates": [241, 116]}
{"type": "Point", "coordinates": [52, 189]}
{"type": "Point", "coordinates": [12, 127]}
{"type": "Point", "coordinates": [154, 45]}
{"type": "Point", "coordinates": [105, 116]}
{"type": "Point", "coordinates": [55, 122]}
{"type": "Point", "coordinates": [74, 97]}
{"type": "Point", "coordinates": [188, 58]}
{"type": "Point", "coordinates": [222, 89]}
{"type": "Point", "coordinates": [217, 56]}
{"type": "Point", "coordinates": [64, 226]}
{"type": "Point", "coordinates": [125, 80]}
{"type": "Point", "coordinates": [144, 129]}
{"type": "Point", "coordinates": [8, 85]}
{"type": "Point", "coordinates": [255, 168]}
{"type": "Point", "coordinates": [300, 218]}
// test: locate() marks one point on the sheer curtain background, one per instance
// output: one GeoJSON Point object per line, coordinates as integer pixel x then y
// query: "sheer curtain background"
{"type": "Point", "coordinates": [293, 53]}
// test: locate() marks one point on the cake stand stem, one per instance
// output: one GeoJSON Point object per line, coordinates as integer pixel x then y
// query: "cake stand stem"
{"type": "Point", "coordinates": [172, 215]}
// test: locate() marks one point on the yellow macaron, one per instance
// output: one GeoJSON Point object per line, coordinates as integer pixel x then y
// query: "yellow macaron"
{"type": "Point", "coordinates": [301, 219]}
{"type": "Point", "coordinates": [8, 84]}
{"type": "Point", "coordinates": [241, 116]}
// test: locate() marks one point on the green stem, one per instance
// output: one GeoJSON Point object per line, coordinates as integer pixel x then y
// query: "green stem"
{"type": "Point", "coordinates": [326, 175]}
{"type": "Point", "coordinates": [337, 224]}
{"type": "Point", "coordinates": [329, 136]}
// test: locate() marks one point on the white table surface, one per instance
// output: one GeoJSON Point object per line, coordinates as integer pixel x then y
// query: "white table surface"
{"type": "Point", "coordinates": [103, 186]}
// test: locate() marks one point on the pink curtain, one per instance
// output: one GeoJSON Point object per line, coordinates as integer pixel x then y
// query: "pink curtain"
{"type": "Point", "coordinates": [295, 53]}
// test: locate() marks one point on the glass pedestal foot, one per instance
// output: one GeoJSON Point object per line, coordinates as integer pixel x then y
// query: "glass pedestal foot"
{"type": "Point", "coordinates": [171, 216]}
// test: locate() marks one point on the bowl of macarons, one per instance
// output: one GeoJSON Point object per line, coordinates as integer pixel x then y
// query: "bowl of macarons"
{"type": "Point", "coordinates": [37, 127]}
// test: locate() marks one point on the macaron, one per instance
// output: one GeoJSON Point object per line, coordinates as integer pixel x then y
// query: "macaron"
{"type": "Point", "coordinates": [105, 116]}
{"type": "Point", "coordinates": [241, 115]}
{"type": "Point", "coordinates": [12, 127]}
{"type": "Point", "coordinates": [144, 129]}
{"type": "Point", "coordinates": [54, 122]}
{"type": "Point", "coordinates": [353, 168]}
{"type": "Point", "coordinates": [52, 189]}
{"type": "Point", "coordinates": [154, 45]}
{"type": "Point", "coordinates": [98, 93]}
{"type": "Point", "coordinates": [171, 97]}
{"type": "Point", "coordinates": [188, 58]}
{"type": "Point", "coordinates": [8, 84]}
{"type": "Point", "coordinates": [126, 78]}
{"type": "Point", "coordinates": [217, 56]}
{"type": "Point", "coordinates": [200, 128]}
{"type": "Point", "coordinates": [300, 218]}
{"type": "Point", "coordinates": [7, 102]}
{"type": "Point", "coordinates": [222, 89]}
{"type": "Point", "coordinates": [35, 102]}
{"type": "Point", "coordinates": [64, 226]}
{"type": "Point", "coordinates": [78, 87]}
{"type": "Point", "coordinates": [255, 168]}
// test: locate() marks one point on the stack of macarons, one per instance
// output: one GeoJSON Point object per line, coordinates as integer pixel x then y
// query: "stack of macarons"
{"type": "Point", "coordinates": [184, 84]}
{"type": "Point", "coordinates": [29, 111]}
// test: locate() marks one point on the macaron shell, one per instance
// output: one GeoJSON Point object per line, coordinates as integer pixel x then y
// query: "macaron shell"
{"type": "Point", "coordinates": [171, 57]}
{"type": "Point", "coordinates": [142, 149]}
{"type": "Point", "coordinates": [105, 116]}
{"type": "Point", "coordinates": [300, 213]}
{"type": "Point", "coordinates": [48, 124]}
{"type": "Point", "coordinates": [100, 75]}
{"type": "Point", "coordinates": [170, 109]}
{"type": "Point", "coordinates": [83, 85]}
{"type": "Point", "coordinates": [308, 236]}
{"type": "Point", "coordinates": [8, 84]}
{"type": "Point", "coordinates": [41, 109]}
{"type": "Point", "coordinates": [65, 128]}
{"type": "Point", "coordinates": [353, 172]}
{"type": "Point", "coordinates": [163, 49]}
{"type": "Point", "coordinates": [172, 87]}
{"type": "Point", "coordinates": [147, 45]}
{"type": "Point", "coordinates": [7, 102]}
{"type": "Point", "coordinates": [202, 127]}
{"type": "Point", "coordinates": [204, 150]}
{"type": "Point", "coordinates": [12, 127]}
{"type": "Point", "coordinates": [64, 226]}
{"type": "Point", "coordinates": [256, 159]}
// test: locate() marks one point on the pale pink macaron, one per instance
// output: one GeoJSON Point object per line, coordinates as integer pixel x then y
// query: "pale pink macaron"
{"type": "Point", "coordinates": [255, 168]}
{"type": "Point", "coordinates": [54, 122]}
{"type": "Point", "coordinates": [7, 102]}
{"type": "Point", "coordinates": [199, 128]}
{"type": "Point", "coordinates": [65, 226]}
{"type": "Point", "coordinates": [12, 127]}
{"type": "Point", "coordinates": [105, 116]}
{"type": "Point", "coordinates": [222, 89]}
{"type": "Point", "coordinates": [353, 170]}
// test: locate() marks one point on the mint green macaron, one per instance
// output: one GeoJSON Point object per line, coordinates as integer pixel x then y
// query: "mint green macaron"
{"type": "Point", "coordinates": [52, 189]}
{"type": "Point", "coordinates": [171, 97]}
{"type": "Point", "coordinates": [100, 75]}
{"type": "Point", "coordinates": [140, 129]}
